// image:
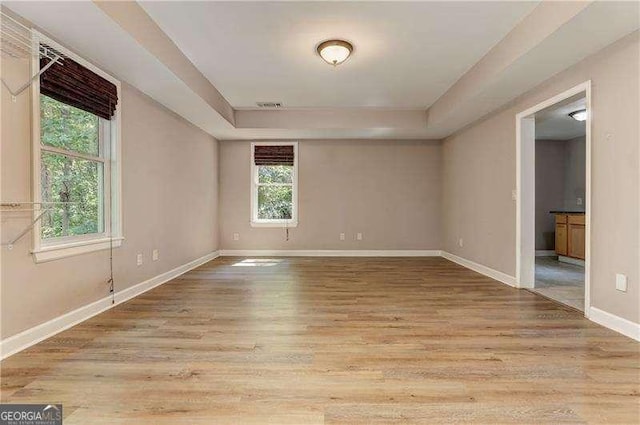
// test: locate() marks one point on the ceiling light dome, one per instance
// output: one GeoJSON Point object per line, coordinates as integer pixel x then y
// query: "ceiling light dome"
{"type": "Point", "coordinates": [334, 52]}
{"type": "Point", "coordinates": [580, 115]}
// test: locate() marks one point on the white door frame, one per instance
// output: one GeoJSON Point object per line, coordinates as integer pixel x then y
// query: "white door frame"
{"type": "Point", "coordinates": [525, 190]}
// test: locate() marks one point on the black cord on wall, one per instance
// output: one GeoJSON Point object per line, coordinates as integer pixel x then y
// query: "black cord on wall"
{"type": "Point", "coordinates": [111, 280]}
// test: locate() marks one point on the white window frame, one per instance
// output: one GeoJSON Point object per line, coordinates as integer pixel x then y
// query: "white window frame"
{"type": "Point", "coordinates": [257, 222]}
{"type": "Point", "coordinates": [110, 135]}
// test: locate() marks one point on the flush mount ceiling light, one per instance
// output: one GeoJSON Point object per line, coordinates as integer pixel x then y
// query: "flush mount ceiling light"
{"type": "Point", "coordinates": [334, 52]}
{"type": "Point", "coordinates": [580, 115]}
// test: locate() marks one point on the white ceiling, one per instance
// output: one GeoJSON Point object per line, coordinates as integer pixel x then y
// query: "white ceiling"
{"type": "Point", "coordinates": [83, 28]}
{"type": "Point", "coordinates": [407, 54]}
{"type": "Point", "coordinates": [434, 56]}
{"type": "Point", "coordinates": [597, 26]}
{"type": "Point", "coordinates": [554, 123]}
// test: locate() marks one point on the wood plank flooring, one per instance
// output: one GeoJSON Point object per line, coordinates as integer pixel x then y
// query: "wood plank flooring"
{"type": "Point", "coordinates": [333, 341]}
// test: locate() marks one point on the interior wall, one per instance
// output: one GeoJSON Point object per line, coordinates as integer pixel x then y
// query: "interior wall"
{"type": "Point", "coordinates": [480, 175]}
{"type": "Point", "coordinates": [560, 184]}
{"type": "Point", "coordinates": [550, 190]}
{"type": "Point", "coordinates": [575, 166]}
{"type": "Point", "coordinates": [169, 198]}
{"type": "Point", "coordinates": [389, 190]}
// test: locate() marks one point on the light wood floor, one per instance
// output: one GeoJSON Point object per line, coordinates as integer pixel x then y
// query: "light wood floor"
{"type": "Point", "coordinates": [333, 341]}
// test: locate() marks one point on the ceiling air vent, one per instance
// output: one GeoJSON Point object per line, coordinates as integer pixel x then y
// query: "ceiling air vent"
{"type": "Point", "coordinates": [269, 104]}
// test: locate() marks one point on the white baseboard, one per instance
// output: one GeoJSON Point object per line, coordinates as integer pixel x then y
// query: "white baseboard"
{"type": "Point", "coordinates": [487, 271]}
{"type": "Point", "coordinates": [330, 253]}
{"type": "Point", "coordinates": [29, 337]}
{"type": "Point", "coordinates": [608, 320]}
{"type": "Point", "coordinates": [494, 274]}
{"type": "Point", "coordinates": [569, 260]}
{"type": "Point", "coordinates": [26, 339]}
{"type": "Point", "coordinates": [134, 291]}
{"type": "Point", "coordinates": [545, 253]}
{"type": "Point", "coordinates": [615, 323]}
{"type": "Point", "coordinates": [32, 336]}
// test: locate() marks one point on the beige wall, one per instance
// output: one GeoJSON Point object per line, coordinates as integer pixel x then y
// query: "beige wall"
{"type": "Point", "coordinates": [550, 181]}
{"type": "Point", "coordinates": [560, 181]}
{"type": "Point", "coordinates": [388, 190]}
{"type": "Point", "coordinates": [575, 165]}
{"type": "Point", "coordinates": [170, 184]}
{"type": "Point", "coordinates": [399, 194]}
{"type": "Point", "coordinates": [480, 173]}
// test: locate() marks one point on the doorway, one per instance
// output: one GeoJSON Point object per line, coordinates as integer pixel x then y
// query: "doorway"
{"type": "Point", "coordinates": [553, 197]}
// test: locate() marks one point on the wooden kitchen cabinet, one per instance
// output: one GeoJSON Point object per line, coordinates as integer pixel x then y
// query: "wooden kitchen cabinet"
{"type": "Point", "coordinates": [570, 235]}
{"type": "Point", "coordinates": [575, 242]}
{"type": "Point", "coordinates": [561, 239]}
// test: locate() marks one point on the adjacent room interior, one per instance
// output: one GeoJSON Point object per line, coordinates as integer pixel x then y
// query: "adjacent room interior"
{"type": "Point", "coordinates": [217, 212]}
{"type": "Point", "coordinates": [560, 144]}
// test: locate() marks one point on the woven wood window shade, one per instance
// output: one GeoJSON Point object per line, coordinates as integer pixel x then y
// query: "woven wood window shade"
{"type": "Point", "coordinates": [273, 155]}
{"type": "Point", "coordinates": [73, 84]}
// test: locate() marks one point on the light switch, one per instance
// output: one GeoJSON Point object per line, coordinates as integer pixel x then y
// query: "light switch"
{"type": "Point", "coordinates": [514, 194]}
{"type": "Point", "coordinates": [621, 282]}
{"type": "Point", "coordinates": [579, 201]}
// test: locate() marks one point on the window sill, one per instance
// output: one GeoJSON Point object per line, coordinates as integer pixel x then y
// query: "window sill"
{"type": "Point", "coordinates": [56, 252]}
{"type": "Point", "coordinates": [280, 224]}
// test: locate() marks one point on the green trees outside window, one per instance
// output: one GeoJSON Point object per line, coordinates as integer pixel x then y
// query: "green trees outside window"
{"type": "Point", "coordinates": [72, 170]}
{"type": "Point", "coordinates": [275, 192]}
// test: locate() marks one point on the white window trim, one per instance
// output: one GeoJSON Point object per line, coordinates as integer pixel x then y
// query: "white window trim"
{"type": "Point", "coordinates": [81, 244]}
{"type": "Point", "coordinates": [255, 221]}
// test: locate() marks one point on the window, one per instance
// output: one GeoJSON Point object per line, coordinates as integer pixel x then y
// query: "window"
{"type": "Point", "coordinates": [72, 170]}
{"type": "Point", "coordinates": [76, 167]}
{"type": "Point", "coordinates": [274, 184]}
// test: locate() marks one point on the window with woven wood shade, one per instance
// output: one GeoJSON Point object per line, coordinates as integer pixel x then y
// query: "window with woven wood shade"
{"type": "Point", "coordinates": [73, 84]}
{"type": "Point", "coordinates": [274, 184]}
{"type": "Point", "coordinates": [273, 155]}
{"type": "Point", "coordinates": [76, 156]}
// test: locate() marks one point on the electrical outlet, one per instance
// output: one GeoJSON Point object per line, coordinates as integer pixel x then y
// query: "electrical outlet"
{"type": "Point", "coordinates": [156, 255]}
{"type": "Point", "coordinates": [579, 201]}
{"type": "Point", "coordinates": [342, 236]}
{"type": "Point", "coordinates": [359, 236]}
{"type": "Point", "coordinates": [621, 282]}
{"type": "Point", "coordinates": [514, 195]}
{"type": "Point", "coordinates": [460, 242]}
{"type": "Point", "coordinates": [236, 236]}
{"type": "Point", "coordinates": [139, 259]}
